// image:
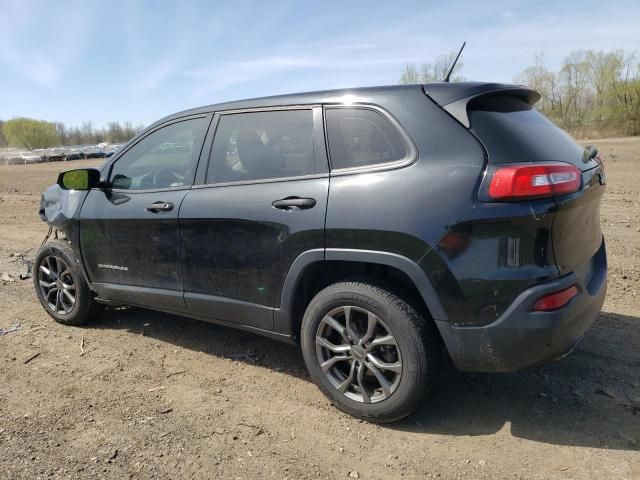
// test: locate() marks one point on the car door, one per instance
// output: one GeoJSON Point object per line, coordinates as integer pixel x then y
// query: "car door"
{"type": "Point", "coordinates": [129, 232]}
{"type": "Point", "coordinates": [258, 203]}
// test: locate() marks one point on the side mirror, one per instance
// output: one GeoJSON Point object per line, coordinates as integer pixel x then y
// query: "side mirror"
{"type": "Point", "coordinates": [121, 181]}
{"type": "Point", "coordinates": [80, 179]}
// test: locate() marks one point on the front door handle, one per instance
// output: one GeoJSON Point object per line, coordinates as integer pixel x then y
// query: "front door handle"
{"type": "Point", "coordinates": [294, 203]}
{"type": "Point", "coordinates": [159, 207]}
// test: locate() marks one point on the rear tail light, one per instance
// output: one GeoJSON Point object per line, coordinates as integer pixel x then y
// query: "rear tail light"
{"type": "Point", "coordinates": [541, 180]}
{"type": "Point", "coordinates": [555, 300]}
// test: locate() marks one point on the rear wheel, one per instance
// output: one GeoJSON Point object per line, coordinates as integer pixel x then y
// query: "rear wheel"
{"type": "Point", "coordinates": [60, 286]}
{"type": "Point", "coordinates": [369, 351]}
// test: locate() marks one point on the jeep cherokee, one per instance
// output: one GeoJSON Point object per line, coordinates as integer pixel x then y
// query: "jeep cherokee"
{"type": "Point", "coordinates": [379, 228]}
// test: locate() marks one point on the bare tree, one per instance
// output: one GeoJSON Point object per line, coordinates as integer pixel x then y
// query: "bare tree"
{"type": "Point", "coordinates": [87, 133]}
{"type": "Point", "coordinates": [3, 140]}
{"type": "Point", "coordinates": [594, 92]}
{"type": "Point", "coordinates": [432, 72]}
{"type": "Point", "coordinates": [626, 91]}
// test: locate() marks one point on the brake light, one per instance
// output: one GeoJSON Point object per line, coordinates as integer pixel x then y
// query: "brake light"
{"type": "Point", "coordinates": [517, 182]}
{"type": "Point", "coordinates": [555, 300]}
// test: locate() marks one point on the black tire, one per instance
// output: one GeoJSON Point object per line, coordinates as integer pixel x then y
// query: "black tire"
{"type": "Point", "coordinates": [417, 348]}
{"type": "Point", "coordinates": [85, 307]}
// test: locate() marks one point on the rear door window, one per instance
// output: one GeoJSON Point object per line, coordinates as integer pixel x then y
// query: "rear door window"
{"type": "Point", "coordinates": [262, 145]}
{"type": "Point", "coordinates": [360, 137]}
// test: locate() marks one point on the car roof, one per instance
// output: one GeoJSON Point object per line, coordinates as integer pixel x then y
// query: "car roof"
{"type": "Point", "coordinates": [443, 93]}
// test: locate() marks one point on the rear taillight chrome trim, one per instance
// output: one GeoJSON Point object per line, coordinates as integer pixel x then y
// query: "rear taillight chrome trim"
{"type": "Point", "coordinates": [534, 180]}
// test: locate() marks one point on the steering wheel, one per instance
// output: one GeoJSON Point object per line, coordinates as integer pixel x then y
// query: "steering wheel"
{"type": "Point", "coordinates": [165, 177]}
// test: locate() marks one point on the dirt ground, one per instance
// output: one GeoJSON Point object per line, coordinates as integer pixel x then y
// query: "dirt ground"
{"type": "Point", "coordinates": [155, 395]}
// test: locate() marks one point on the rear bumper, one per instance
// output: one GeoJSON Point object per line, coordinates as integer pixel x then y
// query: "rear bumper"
{"type": "Point", "coordinates": [522, 337]}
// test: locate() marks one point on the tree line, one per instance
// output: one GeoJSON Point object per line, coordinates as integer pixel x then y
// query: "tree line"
{"type": "Point", "coordinates": [30, 133]}
{"type": "Point", "coordinates": [593, 93]}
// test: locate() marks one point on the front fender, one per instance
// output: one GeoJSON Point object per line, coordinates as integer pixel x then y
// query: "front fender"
{"type": "Point", "coordinates": [61, 210]}
{"type": "Point", "coordinates": [58, 207]}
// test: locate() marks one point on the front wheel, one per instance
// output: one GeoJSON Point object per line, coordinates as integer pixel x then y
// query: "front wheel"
{"type": "Point", "coordinates": [60, 286]}
{"type": "Point", "coordinates": [369, 351]}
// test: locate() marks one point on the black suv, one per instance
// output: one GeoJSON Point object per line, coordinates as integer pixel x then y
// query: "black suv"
{"type": "Point", "coordinates": [378, 227]}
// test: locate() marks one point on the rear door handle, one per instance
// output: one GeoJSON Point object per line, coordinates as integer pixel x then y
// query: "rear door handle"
{"type": "Point", "coordinates": [294, 203]}
{"type": "Point", "coordinates": [159, 207]}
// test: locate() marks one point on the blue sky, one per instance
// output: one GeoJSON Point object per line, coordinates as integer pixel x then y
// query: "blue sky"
{"type": "Point", "coordinates": [76, 61]}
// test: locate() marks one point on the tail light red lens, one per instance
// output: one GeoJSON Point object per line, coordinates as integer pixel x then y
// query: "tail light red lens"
{"type": "Point", "coordinates": [555, 300]}
{"type": "Point", "coordinates": [528, 181]}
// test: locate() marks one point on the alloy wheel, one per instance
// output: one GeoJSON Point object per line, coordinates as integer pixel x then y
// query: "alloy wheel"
{"type": "Point", "coordinates": [57, 285]}
{"type": "Point", "coordinates": [358, 354]}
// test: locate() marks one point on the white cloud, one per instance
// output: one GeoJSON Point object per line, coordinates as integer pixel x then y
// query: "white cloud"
{"type": "Point", "coordinates": [153, 62]}
{"type": "Point", "coordinates": [42, 42]}
{"type": "Point", "coordinates": [153, 76]}
{"type": "Point", "coordinates": [42, 47]}
{"type": "Point", "coordinates": [340, 57]}
{"type": "Point", "coordinates": [499, 45]}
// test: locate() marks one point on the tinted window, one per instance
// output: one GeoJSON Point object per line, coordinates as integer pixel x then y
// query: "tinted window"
{"type": "Point", "coordinates": [359, 137]}
{"type": "Point", "coordinates": [262, 145]}
{"type": "Point", "coordinates": [163, 159]}
{"type": "Point", "coordinates": [512, 131]}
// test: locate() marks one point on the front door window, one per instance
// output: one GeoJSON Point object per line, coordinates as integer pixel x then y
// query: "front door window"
{"type": "Point", "coordinates": [165, 158]}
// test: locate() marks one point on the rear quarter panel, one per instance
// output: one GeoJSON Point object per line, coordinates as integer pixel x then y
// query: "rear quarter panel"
{"type": "Point", "coordinates": [577, 235]}
{"type": "Point", "coordinates": [490, 256]}
{"type": "Point", "coordinates": [407, 210]}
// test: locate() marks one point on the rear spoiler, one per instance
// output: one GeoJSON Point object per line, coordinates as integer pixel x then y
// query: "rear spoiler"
{"type": "Point", "coordinates": [455, 97]}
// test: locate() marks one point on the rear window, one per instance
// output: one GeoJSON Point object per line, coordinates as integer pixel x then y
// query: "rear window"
{"type": "Point", "coordinates": [360, 137]}
{"type": "Point", "coordinates": [512, 131]}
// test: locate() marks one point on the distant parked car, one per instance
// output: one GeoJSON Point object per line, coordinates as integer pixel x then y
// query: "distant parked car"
{"type": "Point", "coordinates": [74, 154]}
{"type": "Point", "coordinates": [111, 149]}
{"type": "Point", "coordinates": [42, 153]}
{"type": "Point", "coordinates": [10, 156]}
{"type": "Point", "coordinates": [54, 155]}
{"type": "Point", "coordinates": [93, 152]}
{"type": "Point", "coordinates": [172, 147]}
{"type": "Point", "coordinates": [30, 157]}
